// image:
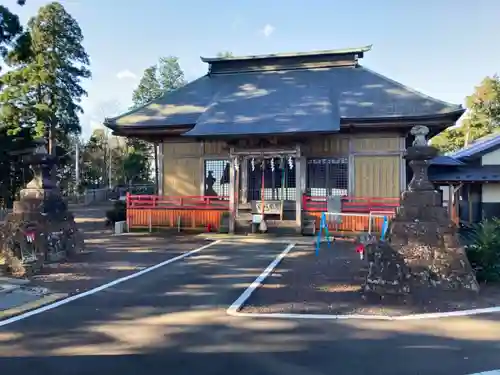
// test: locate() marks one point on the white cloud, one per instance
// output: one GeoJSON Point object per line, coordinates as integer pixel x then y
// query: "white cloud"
{"type": "Point", "coordinates": [126, 74]}
{"type": "Point", "coordinates": [267, 30]}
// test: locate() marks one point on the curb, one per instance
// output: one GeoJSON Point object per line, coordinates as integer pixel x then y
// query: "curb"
{"type": "Point", "coordinates": [4, 314]}
{"type": "Point", "coordinates": [238, 304]}
{"type": "Point", "coordinates": [249, 239]}
{"type": "Point", "coordinates": [309, 240]}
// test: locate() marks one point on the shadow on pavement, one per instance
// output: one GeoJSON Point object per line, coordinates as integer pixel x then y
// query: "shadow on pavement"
{"type": "Point", "coordinates": [173, 322]}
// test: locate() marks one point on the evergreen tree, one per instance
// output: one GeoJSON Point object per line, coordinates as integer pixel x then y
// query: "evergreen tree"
{"type": "Point", "coordinates": [156, 80]}
{"type": "Point", "coordinates": [10, 28]}
{"type": "Point", "coordinates": [149, 88]}
{"type": "Point", "coordinates": [43, 89]}
{"type": "Point", "coordinates": [482, 117]}
{"type": "Point", "coordinates": [225, 54]}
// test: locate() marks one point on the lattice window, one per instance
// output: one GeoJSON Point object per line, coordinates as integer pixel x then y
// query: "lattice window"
{"type": "Point", "coordinates": [278, 184]}
{"type": "Point", "coordinates": [327, 176]}
{"type": "Point", "coordinates": [216, 178]}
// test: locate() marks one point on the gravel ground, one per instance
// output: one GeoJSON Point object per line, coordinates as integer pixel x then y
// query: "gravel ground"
{"type": "Point", "coordinates": [331, 284]}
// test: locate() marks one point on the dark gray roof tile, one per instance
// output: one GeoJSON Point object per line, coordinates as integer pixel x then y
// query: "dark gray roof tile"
{"type": "Point", "coordinates": [283, 101]}
{"type": "Point", "coordinates": [269, 103]}
{"type": "Point", "coordinates": [180, 107]}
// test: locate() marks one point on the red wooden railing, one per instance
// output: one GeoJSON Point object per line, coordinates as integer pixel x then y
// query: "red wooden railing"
{"type": "Point", "coordinates": [313, 204]}
{"type": "Point", "coordinates": [352, 204]}
{"type": "Point", "coordinates": [177, 203]}
{"type": "Point", "coordinates": [193, 212]}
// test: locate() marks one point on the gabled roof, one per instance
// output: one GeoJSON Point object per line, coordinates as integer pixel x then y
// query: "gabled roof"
{"type": "Point", "coordinates": [478, 148]}
{"type": "Point", "coordinates": [286, 101]}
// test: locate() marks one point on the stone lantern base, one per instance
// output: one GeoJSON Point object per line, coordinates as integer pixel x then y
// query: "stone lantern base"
{"type": "Point", "coordinates": [423, 249]}
{"type": "Point", "coordinates": [39, 230]}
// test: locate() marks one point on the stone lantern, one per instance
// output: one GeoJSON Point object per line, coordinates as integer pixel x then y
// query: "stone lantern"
{"type": "Point", "coordinates": [422, 249]}
{"type": "Point", "coordinates": [40, 229]}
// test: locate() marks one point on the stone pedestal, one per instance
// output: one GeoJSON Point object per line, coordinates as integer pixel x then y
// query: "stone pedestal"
{"type": "Point", "coordinates": [423, 248]}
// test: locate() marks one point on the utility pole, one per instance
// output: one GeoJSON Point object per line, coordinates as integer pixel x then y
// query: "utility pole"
{"type": "Point", "coordinates": [110, 177]}
{"type": "Point", "coordinates": [77, 165]}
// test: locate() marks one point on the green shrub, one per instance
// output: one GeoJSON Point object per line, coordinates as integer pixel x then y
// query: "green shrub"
{"type": "Point", "coordinates": [117, 213]}
{"type": "Point", "coordinates": [483, 250]}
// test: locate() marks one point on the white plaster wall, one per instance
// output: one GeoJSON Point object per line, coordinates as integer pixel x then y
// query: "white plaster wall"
{"type": "Point", "coordinates": [493, 158]}
{"type": "Point", "coordinates": [491, 193]}
{"type": "Point", "coordinates": [446, 195]}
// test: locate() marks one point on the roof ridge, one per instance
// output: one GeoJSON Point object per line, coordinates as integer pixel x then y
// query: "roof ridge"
{"type": "Point", "coordinates": [342, 51]}
{"type": "Point", "coordinates": [419, 93]}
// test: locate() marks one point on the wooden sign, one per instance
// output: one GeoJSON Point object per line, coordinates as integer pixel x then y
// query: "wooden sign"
{"type": "Point", "coordinates": [270, 207]}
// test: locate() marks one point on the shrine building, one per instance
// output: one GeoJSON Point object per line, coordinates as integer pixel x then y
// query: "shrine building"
{"type": "Point", "coordinates": [287, 130]}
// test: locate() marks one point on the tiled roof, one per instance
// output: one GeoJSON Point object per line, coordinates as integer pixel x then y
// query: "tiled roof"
{"type": "Point", "coordinates": [284, 101]}
{"type": "Point", "coordinates": [269, 103]}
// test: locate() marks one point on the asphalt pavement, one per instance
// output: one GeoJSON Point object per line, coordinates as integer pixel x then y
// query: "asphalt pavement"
{"type": "Point", "coordinates": [172, 321]}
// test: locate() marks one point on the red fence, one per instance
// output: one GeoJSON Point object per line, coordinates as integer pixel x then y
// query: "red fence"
{"type": "Point", "coordinates": [352, 204]}
{"type": "Point", "coordinates": [187, 212]}
{"type": "Point", "coordinates": [315, 206]}
{"type": "Point", "coordinates": [178, 203]}
{"type": "Point", "coordinates": [201, 212]}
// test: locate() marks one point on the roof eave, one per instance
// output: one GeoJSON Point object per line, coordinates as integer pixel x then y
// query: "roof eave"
{"type": "Point", "coordinates": [451, 116]}
{"type": "Point", "coordinates": [137, 130]}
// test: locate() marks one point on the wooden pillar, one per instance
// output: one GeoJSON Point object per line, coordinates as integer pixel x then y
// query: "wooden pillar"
{"type": "Point", "coordinates": [300, 184]}
{"type": "Point", "coordinates": [469, 202]}
{"type": "Point", "coordinates": [160, 169]}
{"type": "Point", "coordinates": [451, 202]}
{"type": "Point", "coordinates": [244, 181]}
{"type": "Point", "coordinates": [232, 205]}
{"type": "Point", "coordinates": [157, 168]}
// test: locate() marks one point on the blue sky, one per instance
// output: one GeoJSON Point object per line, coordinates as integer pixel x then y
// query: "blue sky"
{"type": "Point", "coordinates": [442, 47]}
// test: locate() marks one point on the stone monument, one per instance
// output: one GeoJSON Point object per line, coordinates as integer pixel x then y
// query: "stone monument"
{"type": "Point", "coordinates": [40, 229]}
{"type": "Point", "coordinates": [422, 249]}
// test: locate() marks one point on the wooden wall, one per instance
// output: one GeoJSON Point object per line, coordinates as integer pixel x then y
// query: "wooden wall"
{"type": "Point", "coordinates": [183, 165]}
{"type": "Point", "coordinates": [377, 176]}
{"type": "Point", "coordinates": [375, 162]}
{"type": "Point", "coordinates": [326, 145]}
{"type": "Point", "coordinates": [378, 165]}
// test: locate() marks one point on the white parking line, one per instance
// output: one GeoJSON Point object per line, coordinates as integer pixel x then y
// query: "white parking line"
{"type": "Point", "coordinates": [236, 306]}
{"type": "Point", "coordinates": [105, 286]}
